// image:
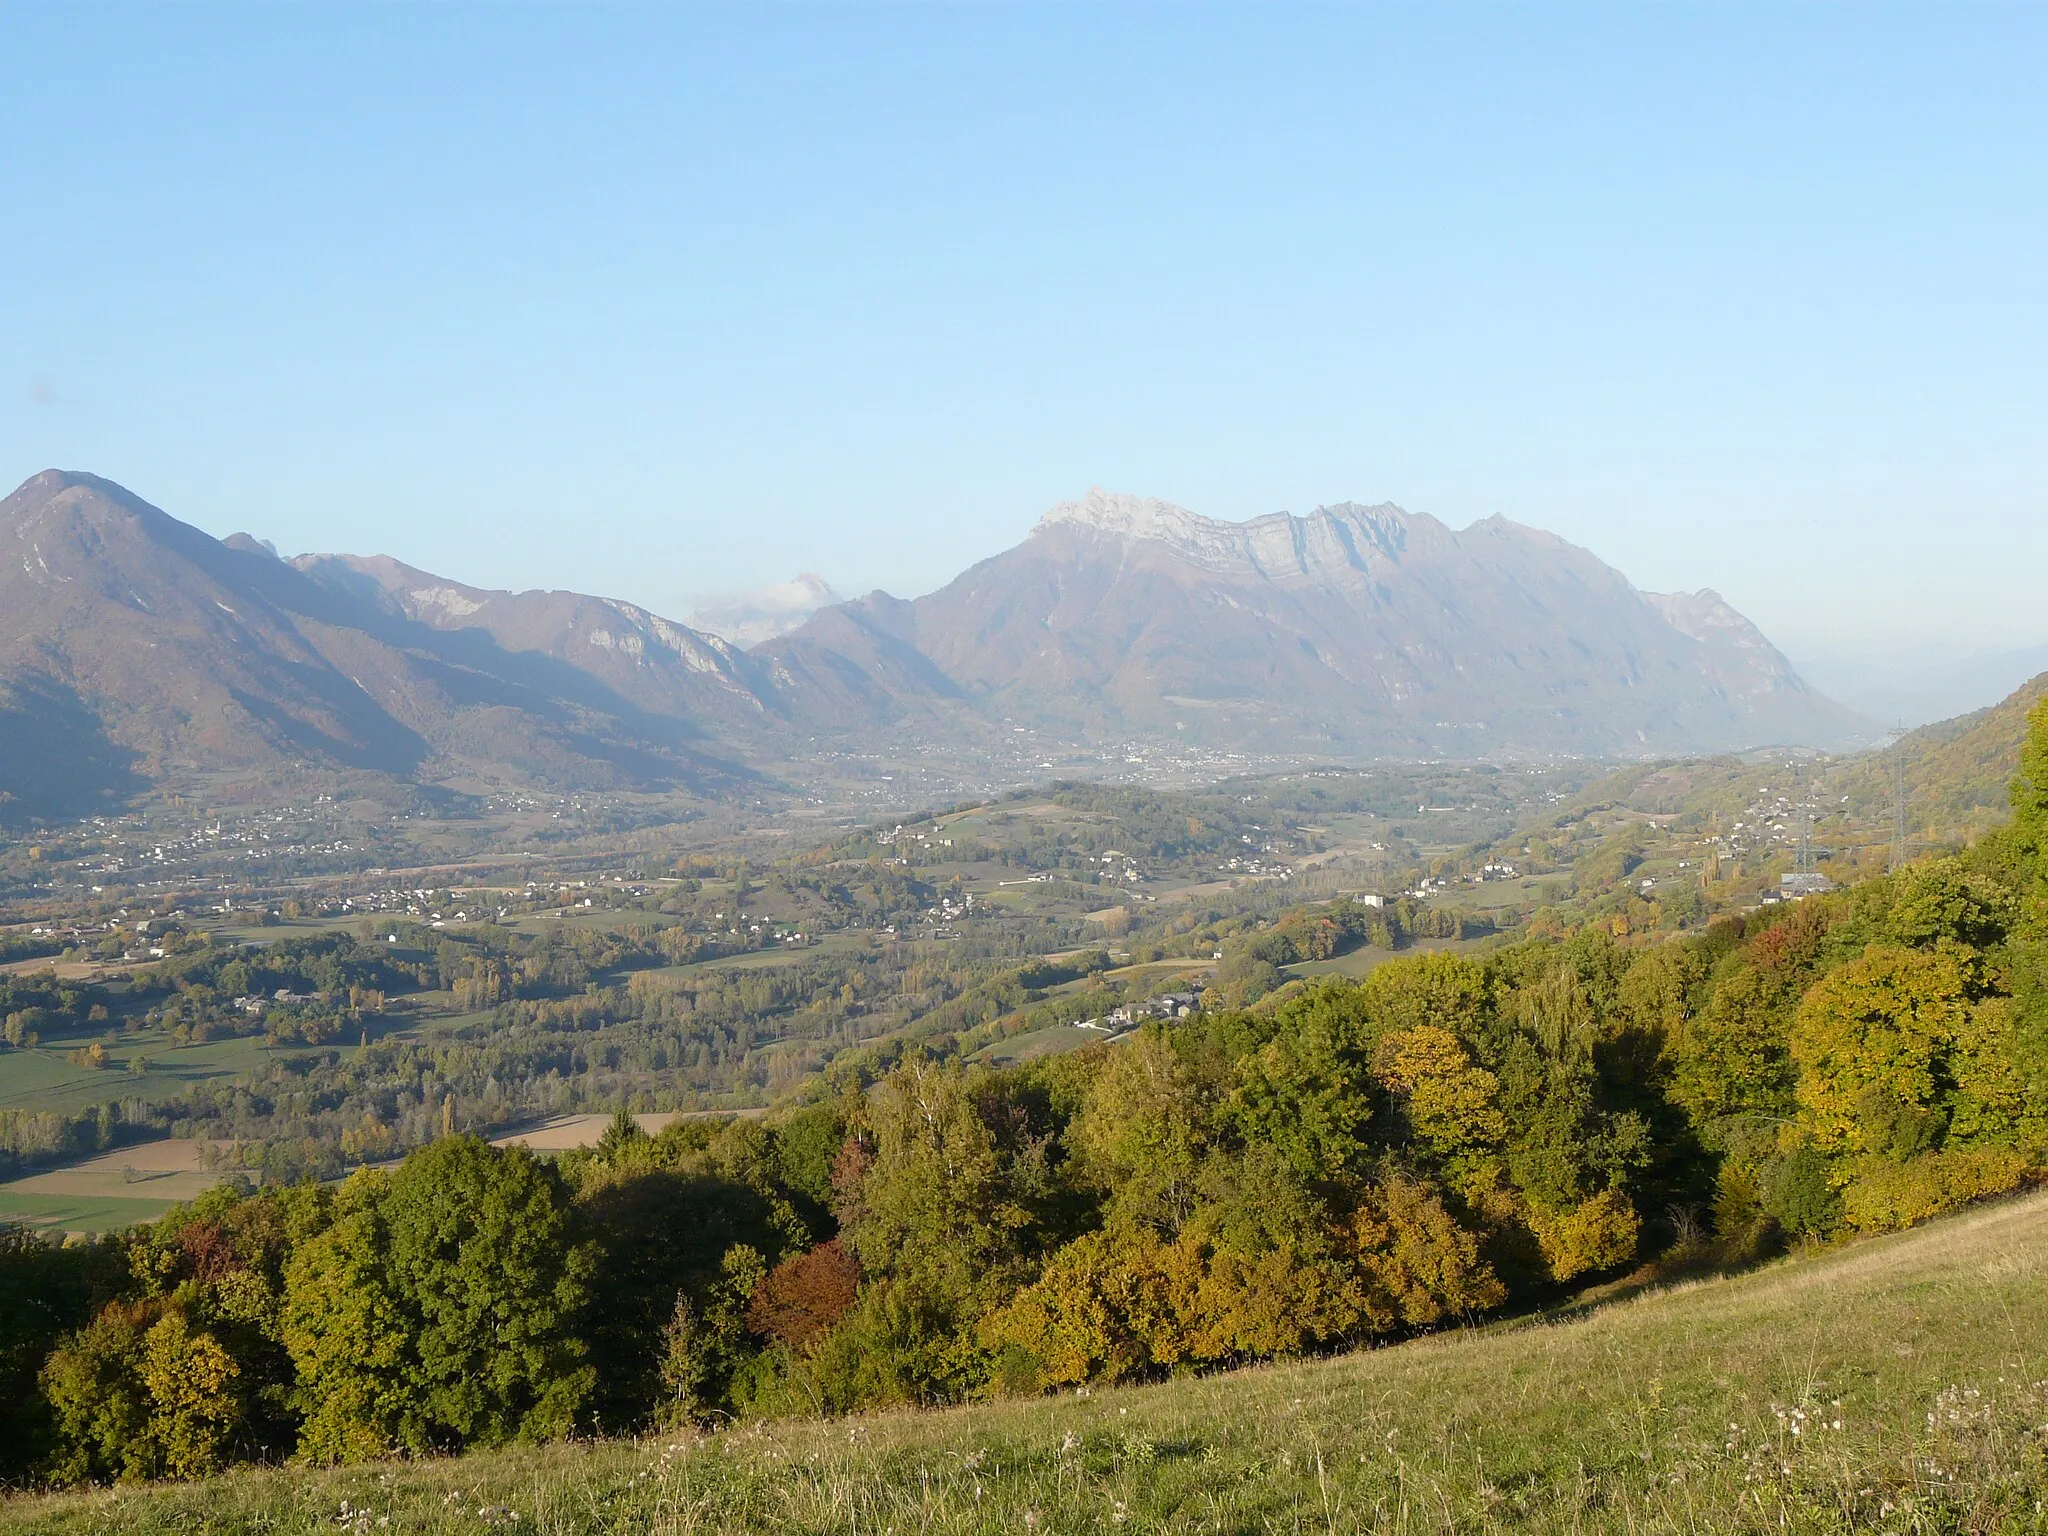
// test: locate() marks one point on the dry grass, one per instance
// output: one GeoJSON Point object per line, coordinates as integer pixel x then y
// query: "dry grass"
{"type": "Point", "coordinates": [567, 1131]}
{"type": "Point", "coordinates": [1898, 1385]}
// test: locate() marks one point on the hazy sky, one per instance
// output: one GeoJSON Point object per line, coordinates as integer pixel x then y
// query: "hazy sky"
{"type": "Point", "coordinates": [659, 301]}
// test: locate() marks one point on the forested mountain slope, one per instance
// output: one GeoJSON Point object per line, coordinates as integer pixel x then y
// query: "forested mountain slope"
{"type": "Point", "coordinates": [1957, 770]}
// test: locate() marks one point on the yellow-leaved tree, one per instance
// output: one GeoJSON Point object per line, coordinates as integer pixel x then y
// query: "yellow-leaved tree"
{"type": "Point", "coordinates": [1872, 1042]}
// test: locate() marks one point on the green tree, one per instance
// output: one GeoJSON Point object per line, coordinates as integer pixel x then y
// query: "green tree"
{"type": "Point", "coordinates": [46, 1292]}
{"type": "Point", "coordinates": [620, 1137]}
{"type": "Point", "coordinates": [93, 1383]}
{"type": "Point", "coordinates": [1734, 1057]}
{"type": "Point", "coordinates": [1941, 901]}
{"type": "Point", "coordinates": [934, 1206]}
{"type": "Point", "coordinates": [1450, 1105]}
{"type": "Point", "coordinates": [701, 1347]}
{"type": "Point", "coordinates": [2029, 832]}
{"type": "Point", "coordinates": [482, 1255]}
{"type": "Point", "coordinates": [1144, 1131]}
{"type": "Point", "coordinates": [1307, 1094]}
{"type": "Point", "coordinates": [1421, 1265]}
{"type": "Point", "coordinates": [443, 1309]}
{"type": "Point", "coordinates": [140, 1392]}
{"type": "Point", "coordinates": [1439, 989]}
{"type": "Point", "coordinates": [193, 1405]}
{"type": "Point", "coordinates": [349, 1332]}
{"type": "Point", "coordinates": [2029, 792]}
{"type": "Point", "coordinates": [1872, 1043]}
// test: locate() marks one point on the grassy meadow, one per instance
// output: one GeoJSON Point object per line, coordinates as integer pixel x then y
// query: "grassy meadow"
{"type": "Point", "coordinates": [1895, 1384]}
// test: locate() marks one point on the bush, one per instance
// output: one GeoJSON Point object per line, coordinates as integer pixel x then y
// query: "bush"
{"type": "Point", "coordinates": [1799, 1193]}
{"type": "Point", "coordinates": [1594, 1235]}
{"type": "Point", "coordinates": [1885, 1196]}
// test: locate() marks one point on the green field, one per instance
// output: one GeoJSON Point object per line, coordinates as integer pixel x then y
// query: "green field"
{"type": "Point", "coordinates": [78, 1213]}
{"type": "Point", "coordinates": [770, 959]}
{"type": "Point", "coordinates": [44, 1079]}
{"type": "Point", "coordinates": [1495, 894]}
{"type": "Point", "coordinates": [1359, 962]}
{"type": "Point", "coordinates": [1899, 1384]}
{"type": "Point", "coordinates": [1050, 1041]}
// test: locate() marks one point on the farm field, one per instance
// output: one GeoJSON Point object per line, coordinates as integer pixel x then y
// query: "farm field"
{"type": "Point", "coordinates": [1893, 1384]}
{"type": "Point", "coordinates": [565, 1132]}
{"type": "Point", "coordinates": [115, 1189]}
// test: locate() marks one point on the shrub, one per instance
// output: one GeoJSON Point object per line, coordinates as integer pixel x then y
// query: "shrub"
{"type": "Point", "coordinates": [1887, 1195]}
{"type": "Point", "coordinates": [1799, 1193]}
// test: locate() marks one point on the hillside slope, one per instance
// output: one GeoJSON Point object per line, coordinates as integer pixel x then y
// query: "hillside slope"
{"type": "Point", "coordinates": [658, 666]}
{"type": "Point", "coordinates": [1957, 771]}
{"type": "Point", "coordinates": [1355, 629]}
{"type": "Point", "coordinates": [1897, 1383]}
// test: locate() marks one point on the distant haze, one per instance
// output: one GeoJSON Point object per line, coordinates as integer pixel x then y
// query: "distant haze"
{"type": "Point", "coordinates": [1912, 688]}
{"type": "Point", "coordinates": [748, 618]}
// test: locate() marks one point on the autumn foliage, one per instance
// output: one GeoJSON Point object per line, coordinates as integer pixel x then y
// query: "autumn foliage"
{"type": "Point", "coordinates": [1344, 1163]}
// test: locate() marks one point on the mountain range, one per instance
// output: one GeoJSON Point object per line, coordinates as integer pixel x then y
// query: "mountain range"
{"type": "Point", "coordinates": [1359, 631]}
{"type": "Point", "coordinates": [135, 649]}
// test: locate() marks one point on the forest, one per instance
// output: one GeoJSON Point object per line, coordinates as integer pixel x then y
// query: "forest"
{"type": "Point", "coordinates": [1327, 1166]}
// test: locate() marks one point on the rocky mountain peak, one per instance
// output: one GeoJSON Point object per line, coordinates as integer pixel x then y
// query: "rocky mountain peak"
{"type": "Point", "coordinates": [53, 489]}
{"type": "Point", "coordinates": [1701, 614]}
{"type": "Point", "coordinates": [1344, 537]}
{"type": "Point", "coordinates": [1129, 517]}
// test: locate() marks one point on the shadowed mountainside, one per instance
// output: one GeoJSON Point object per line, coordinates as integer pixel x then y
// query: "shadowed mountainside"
{"type": "Point", "coordinates": [168, 651]}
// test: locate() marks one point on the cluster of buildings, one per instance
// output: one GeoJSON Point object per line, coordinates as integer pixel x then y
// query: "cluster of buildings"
{"type": "Point", "coordinates": [1172, 1005]}
{"type": "Point", "coordinates": [1118, 865]}
{"type": "Point", "coordinates": [293, 832]}
{"type": "Point", "coordinates": [255, 1003]}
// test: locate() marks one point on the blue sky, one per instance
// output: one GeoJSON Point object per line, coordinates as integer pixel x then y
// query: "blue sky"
{"type": "Point", "coordinates": [658, 301]}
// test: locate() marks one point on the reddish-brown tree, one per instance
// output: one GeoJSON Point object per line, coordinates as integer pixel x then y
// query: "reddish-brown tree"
{"type": "Point", "coordinates": [803, 1296]}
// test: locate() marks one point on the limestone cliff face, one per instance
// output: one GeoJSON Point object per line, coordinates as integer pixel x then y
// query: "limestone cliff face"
{"type": "Point", "coordinates": [1363, 629]}
{"type": "Point", "coordinates": [1749, 661]}
{"type": "Point", "coordinates": [654, 663]}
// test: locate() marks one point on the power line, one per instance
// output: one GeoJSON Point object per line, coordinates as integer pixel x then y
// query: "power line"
{"type": "Point", "coordinates": [1899, 798]}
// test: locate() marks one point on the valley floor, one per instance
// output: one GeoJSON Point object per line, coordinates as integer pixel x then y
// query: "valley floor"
{"type": "Point", "coordinates": [1898, 1384]}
